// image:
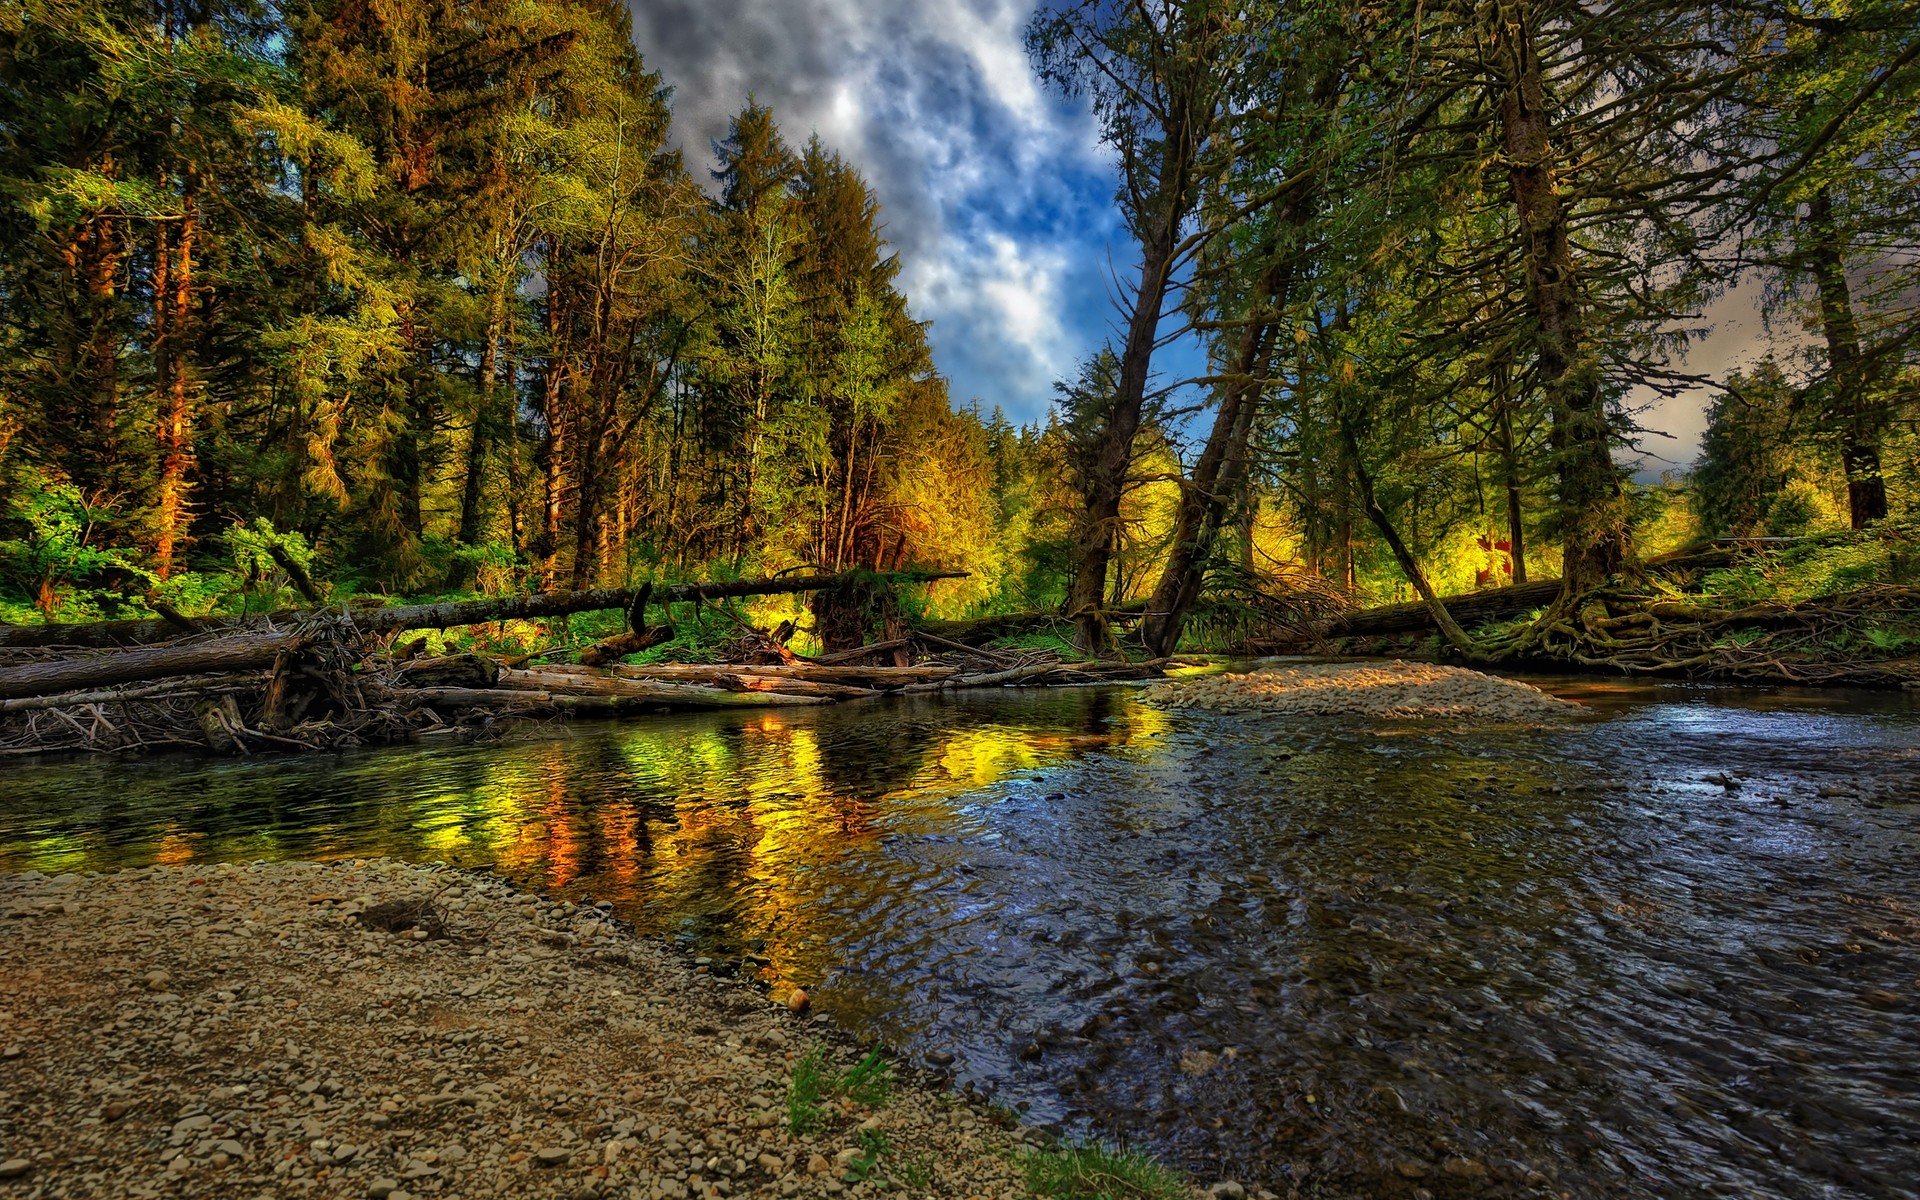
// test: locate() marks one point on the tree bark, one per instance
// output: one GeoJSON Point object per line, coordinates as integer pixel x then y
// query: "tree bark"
{"type": "Point", "coordinates": [1173, 193]}
{"type": "Point", "coordinates": [173, 310]}
{"type": "Point", "coordinates": [1510, 476]}
{"type": "Point", "coordinates": [245, 652]}
{"type": "Point", "coordinates": [1860, 431]}
{"type": "Point", "coordinates": [1409, 565]}
{"type": "Point", "coordinates": [1222, 468]}
{"type": "Point", "coordinates": [1596, 537]}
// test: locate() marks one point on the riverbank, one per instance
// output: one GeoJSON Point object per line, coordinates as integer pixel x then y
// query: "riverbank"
{"type": "Point", "coordinates": [1394, 689]}
{"type": "Point", "coordinates": [241, 1030]}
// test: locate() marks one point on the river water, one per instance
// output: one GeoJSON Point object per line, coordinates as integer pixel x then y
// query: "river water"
{"type": "Point", "coordinates": [1671, 949]}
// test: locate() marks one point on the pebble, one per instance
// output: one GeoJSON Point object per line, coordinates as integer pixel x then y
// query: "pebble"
{"type": "Point", "coordinates": [1395, 690]}
{"type": "Point", "coordinates": [1227, 1189]}
{"type": "Point", "coordinates": [286, 1050]}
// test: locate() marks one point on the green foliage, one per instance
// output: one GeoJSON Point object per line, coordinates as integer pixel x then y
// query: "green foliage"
{"type": "Point", "coordinates": [813, 1084]}
{"type": "Point", "coordinates": [806, 1089]}
{"type": "Point", "coordinates": [1096, 1173]}
{"type": "Point", "coordinates": [874, 1147]}
{"type": "Point", "coordinates": [55, 560]}
{"type": "Point", "coordinates": [1833, 563]}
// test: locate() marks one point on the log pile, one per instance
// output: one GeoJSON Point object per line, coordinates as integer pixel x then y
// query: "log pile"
{"type": "Point", "coordinates": [339, 678]}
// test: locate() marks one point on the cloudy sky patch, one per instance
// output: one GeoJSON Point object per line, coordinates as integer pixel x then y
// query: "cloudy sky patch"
{"type": "Point", "coordinates": [995, 192]}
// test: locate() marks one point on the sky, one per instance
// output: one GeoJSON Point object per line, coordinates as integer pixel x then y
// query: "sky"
{"type": "Point", "coordinates": [995, 190]}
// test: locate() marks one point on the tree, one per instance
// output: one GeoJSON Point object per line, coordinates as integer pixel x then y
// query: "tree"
{"type": "Point", "coordinates": [1157, 78]}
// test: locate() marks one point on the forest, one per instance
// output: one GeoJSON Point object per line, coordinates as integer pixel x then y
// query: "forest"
{"type": "Point", "coordinates": [413, 299]}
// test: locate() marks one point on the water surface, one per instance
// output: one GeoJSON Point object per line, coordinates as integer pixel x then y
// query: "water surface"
{"type": "Point", "coordinates": [1670, 950]}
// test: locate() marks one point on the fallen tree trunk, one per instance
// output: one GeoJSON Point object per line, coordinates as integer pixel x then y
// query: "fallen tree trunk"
{"type": "Point", "coordinates": [255, 651]}
{"type": "Point", "coordinates": [1474, 608]}
{"type": "Point", "coordinates": [169, 688]}
{"type": "Point", "coordinates": [855, 676]}
{"type": "Point", "coordinates": [443, 616]}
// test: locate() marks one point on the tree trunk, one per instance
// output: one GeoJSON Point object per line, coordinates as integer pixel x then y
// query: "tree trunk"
{"type": "Point", "coordinates": [1592, 505]}
{"type": "Point", "coordinates": [1410, 566]}
{"type": "Point", "coordinates": [553, 408]}
{"type": "Point", "coordinates": [1113, 453]}
{"type": "Point", "coordinates": [1860, 431]}
{"type": "Point", "coordinates": [480, 440]}
{"type": "Point", "coordinates": [173, 278]}
{"type": "Point", "coordinates": [1218, 475]}
{"type": "Point", "coordinates": [1510, 476]}
{"type": "Point", "coordinates": [244, 652]}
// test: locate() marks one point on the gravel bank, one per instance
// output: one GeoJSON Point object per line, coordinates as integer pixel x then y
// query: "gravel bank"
{"type": "Point", "coordinates": [1395, 689]}
{"type": "Point", "coordinates": [235, 1031]}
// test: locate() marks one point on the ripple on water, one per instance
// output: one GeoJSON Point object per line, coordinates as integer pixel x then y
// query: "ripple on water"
{"type": "Point", "coordinates": [1670, 952]}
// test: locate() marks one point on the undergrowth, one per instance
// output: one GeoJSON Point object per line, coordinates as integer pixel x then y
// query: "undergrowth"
{"type": "Point", "coordinates": [1096, 1173]}
{"type": "Point", "coordinates": [813, 1086]}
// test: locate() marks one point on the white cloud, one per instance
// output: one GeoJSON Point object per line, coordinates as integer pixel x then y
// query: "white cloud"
{"type": "Point", "coordinates": [991, 188]}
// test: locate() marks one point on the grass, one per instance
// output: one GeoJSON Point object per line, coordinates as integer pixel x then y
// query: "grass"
{"type": "Point", "coordinates": [1096, 1173]}
{"type": "Point", "coordinates": [813, 1086]}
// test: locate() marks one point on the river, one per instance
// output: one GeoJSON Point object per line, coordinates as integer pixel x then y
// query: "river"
{"type": "Point", "coordinates": [1671, 949]}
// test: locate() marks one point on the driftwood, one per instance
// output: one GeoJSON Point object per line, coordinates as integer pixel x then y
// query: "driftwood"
{"type": "Point", "coordinates": [441, 616]}
{"type": "Point", "coordinates": [340, 679]}
{"type": "Point", "coordinates": [240, 653]}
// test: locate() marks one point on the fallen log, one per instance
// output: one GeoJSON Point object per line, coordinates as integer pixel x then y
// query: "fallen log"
{"type": "Point", "coordinates": [1473, 608]}
{"type": "Point", "coordinates": [446, 615]}
{"type": "Point", "coordinates": [240, 653]}
{"type": "Point", "coordinates": [878, 677]}
{"type": "Point", "coordinates": [747, 682]}
{"type": "Point", "coordinates": [172, 688]}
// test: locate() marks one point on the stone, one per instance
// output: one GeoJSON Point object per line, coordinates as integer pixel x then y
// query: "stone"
{"type": "Point", "coordinates": [552, 1156]}
{"type": "Point", "coordinates": [1464, 1168]}
{"type": "Point", "coordinates": [382, 1188]}
{"type": "Point", "coordinates": [1227, 1189]}
{"type": "Point", "coordinates": [771, 1164]}
{"type": "Point", "coordinates": [157, 980]}
{"type": "Point", "coordinates": [798, 1000]}
{"type": "Point", "coordinates": [15, 1168]}
{"type": "Point", "coordinates": [817, 1164]}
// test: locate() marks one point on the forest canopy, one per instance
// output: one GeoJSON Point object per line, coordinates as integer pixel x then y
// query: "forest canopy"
{"type": "Point", "coordinates": [420, 298]}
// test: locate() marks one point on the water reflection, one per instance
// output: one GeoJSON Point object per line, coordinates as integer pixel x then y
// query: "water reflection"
{"type": "Point", "coordinates": [1669, 952]}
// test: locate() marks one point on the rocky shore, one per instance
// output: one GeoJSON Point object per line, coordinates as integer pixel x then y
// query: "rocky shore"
{"type": "Point", "coordinates": [254, 1031]}
{"type": "Point", "coordinates": [1396, 689]}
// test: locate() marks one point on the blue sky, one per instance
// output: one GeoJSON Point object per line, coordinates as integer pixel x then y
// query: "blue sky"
{"type": "Point", "coordinates": [996, 191]}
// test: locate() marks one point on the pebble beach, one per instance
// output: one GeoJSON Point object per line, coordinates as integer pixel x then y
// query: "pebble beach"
{"type": "Point", "coordinates": [1391, 690]}
{"type": "Point", "coordinates": [241, 1031]}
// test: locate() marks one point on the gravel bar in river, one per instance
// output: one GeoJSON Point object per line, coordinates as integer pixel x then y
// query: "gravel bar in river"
{"type": "Point", "coordinates": [1396, 689]}
{"type": "Point", "coordinates": [236, 1031]}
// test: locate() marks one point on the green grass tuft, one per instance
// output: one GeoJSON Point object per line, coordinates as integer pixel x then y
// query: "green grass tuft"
{"type": "Point", "coordinates": [805, 1088]}
{"type": "Point", "coordinates": [1096, 1173]}
{"type": "Point", "coordinates": [869, 1083]}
